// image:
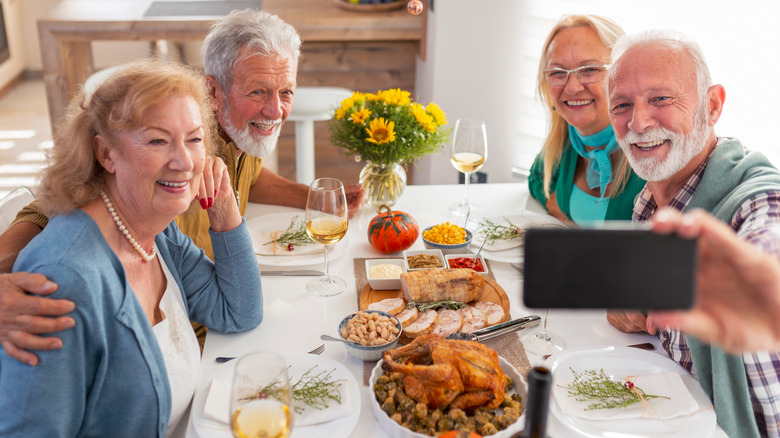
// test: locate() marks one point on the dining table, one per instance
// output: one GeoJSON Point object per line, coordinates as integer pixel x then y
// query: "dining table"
{"type": "Point", "coordinates": [294, 319]}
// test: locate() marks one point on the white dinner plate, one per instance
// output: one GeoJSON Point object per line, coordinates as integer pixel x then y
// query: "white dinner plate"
{"type": "Point", "coordinates": [395, 430]}
{"type": "Point", "coordinates": [510, 251]}
{"type": "Point", "coordinates": [259, 226]}
{"type": "Point", "coordinates": [205, 427]}
{"type": "Point", "coordinates": [619, 362]}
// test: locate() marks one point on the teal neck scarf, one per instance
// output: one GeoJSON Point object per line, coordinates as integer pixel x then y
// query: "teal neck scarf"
{"type": "Point", "coordinates": [599, 172]}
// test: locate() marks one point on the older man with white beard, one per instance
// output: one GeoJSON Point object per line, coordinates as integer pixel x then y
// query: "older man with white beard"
{"type": "Point", "coordinates": [663, 108]}
{"type": "Point", "coordinates": [251, 63]}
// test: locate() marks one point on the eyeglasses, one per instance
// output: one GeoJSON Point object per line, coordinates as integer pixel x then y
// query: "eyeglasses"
{"type": "Point", "coordinates": [587, 74]}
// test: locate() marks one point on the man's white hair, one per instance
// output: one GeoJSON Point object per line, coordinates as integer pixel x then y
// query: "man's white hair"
{"type": "Point", "coordinates": [673, 40]}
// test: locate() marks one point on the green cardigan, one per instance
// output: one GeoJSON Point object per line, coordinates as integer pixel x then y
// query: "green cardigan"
{"type": "Point", "coordinates": [620, 207]}
{"type": "Point", "coordinates": [733, 175]}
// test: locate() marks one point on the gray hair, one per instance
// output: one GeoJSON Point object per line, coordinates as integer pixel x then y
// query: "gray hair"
{"type": "Point", "coordinates": [264, 33]}
{"type": "Point", "coordinates": [673, 40]}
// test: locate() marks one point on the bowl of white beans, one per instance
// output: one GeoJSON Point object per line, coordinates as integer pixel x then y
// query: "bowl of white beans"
{"type": "Point", "coordinates": [369, 333]}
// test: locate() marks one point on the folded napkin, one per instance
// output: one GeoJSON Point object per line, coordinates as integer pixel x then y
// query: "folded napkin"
{"type": "Point", "coordinates": [217, 406]}
{"type": "Point", "coordinates": [680, 402]}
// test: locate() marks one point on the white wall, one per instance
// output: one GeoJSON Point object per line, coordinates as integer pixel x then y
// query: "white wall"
{"type": "Point", "coordinates": [471, 71]}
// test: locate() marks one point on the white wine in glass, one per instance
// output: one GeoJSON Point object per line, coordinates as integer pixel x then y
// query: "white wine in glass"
{"type": "Point", "coordinates": [261, 398]}
{"type": "Point", "coordinates": [326, 224]}
{"type": "Point", "coordinates": [467, 155]}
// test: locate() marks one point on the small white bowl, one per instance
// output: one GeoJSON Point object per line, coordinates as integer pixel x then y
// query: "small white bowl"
{"type": "Point", "coordinates": [481, 259]}
{"type": "Point", "coordinates": [434, 252]}
{"type": "Point", "coordinates": [384, 283]}
{"type": "Point", "coordinates": [366, 352]}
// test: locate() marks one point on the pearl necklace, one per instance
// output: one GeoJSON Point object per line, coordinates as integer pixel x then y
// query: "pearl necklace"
{"type": "Point", "coordinates": [145, 255]}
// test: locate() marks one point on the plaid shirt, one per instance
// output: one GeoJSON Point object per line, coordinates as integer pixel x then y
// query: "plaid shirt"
{"type": "Point", "coordinates": [757, 221]}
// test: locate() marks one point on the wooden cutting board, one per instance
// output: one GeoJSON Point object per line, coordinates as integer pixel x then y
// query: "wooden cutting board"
{"type": "Point", "coordinates": [493, 292]}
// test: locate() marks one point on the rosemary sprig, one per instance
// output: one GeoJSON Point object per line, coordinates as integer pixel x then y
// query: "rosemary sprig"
{"type": "Point", "coordinates": [493, 231]}
{"type": "Point", "coordinates": [605, 393]}
{"type": "Point", "coordinates": [447, 304]}
{"type": "Point", "coordinates": [313, 390]}
{"type": "Point", "coordinates": [294, 234]}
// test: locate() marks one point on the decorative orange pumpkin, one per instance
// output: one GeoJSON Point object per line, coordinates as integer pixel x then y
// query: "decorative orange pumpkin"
{"type": "Point", "coordinates": [392, 231]}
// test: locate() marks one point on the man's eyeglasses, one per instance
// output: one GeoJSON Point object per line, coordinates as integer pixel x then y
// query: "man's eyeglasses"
{"type": "Point", "coordinates": [587, 74]}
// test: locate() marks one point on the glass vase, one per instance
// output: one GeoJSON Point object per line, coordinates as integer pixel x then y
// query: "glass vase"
{"type": "Point", "coordinates": [382, 183]}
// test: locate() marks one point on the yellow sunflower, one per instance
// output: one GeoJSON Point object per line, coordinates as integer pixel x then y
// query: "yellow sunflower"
{"type": "Point", "coordinates": [340, 113]}
{"type": "Point", "coordinates": [395, 96]}
{"type": "Point", "coordinates": [437, 113]}
{"type": "Point", "coordinates": [423, 118]}
{"type": "Point", "coordinates": [358, 117]}
{"type": "Point", "coordinates": [381, 131]}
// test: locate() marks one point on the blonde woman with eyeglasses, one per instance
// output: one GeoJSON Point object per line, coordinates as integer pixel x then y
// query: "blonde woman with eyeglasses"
{"type": "Point", "coordinates": [581, 175]}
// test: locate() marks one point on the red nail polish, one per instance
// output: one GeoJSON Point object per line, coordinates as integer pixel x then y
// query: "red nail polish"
{"type": "Point", "coordinates": [204, 203]}
{"type": "Point", "coordinates": [215, 193]}
{"type": "Point", "coordinates": [196, 196]}
{"type": "Point", "coordinates": [211, 202]}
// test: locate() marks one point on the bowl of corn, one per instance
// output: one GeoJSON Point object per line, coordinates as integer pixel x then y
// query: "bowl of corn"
{"type": "Point", "coordinates": [447, 237]}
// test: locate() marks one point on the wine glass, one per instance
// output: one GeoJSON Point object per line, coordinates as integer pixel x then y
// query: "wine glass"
{"type": "Point", "coordinates": [543, 342]}
{"type": "Point", "coordinates": [326, 223]}
{"type": "Point", "coordinates": [468, 154]}
{"type": "Point", "coordinates": [261, 399]}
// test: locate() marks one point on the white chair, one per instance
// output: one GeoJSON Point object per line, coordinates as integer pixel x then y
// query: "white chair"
{"type": "Point", "coordinates": [11, 203]}
{"type": "Point", "coordinates": [312, 104]}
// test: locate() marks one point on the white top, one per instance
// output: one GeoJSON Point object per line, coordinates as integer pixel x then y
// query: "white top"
{"type": "Point", "coordinates": [179, 347]}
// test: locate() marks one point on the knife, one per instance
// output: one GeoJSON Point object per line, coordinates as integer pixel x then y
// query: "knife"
{"type": "Point", "coordinates": [304, 273]}
{"type": "Point", "coordinates": [497, 330]}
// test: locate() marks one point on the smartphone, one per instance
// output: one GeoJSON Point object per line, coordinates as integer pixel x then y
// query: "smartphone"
{"type": "Point", "coordinates": [603, 268]}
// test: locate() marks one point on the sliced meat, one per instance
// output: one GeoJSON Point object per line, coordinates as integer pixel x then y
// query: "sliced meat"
{"type": "Point", "coordinates": [424, 324]}
{"type": "Point", "coordinates": [448, 322]}
{"type": "Point", "coordinates": [392, 306]}
{"type": "Point", "coordinates": [429, 285]}
{"type": "Point", "coordinates": [473, 319]}
{"type": "Point", "coordinates": [494, 313]}
{"type": "Point", "coordinates": [408, 316]}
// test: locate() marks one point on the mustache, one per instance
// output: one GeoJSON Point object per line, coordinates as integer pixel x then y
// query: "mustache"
{"type": "Point", "coordinates": [651, 135]}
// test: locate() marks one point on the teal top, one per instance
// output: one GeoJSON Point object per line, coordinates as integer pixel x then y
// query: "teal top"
{"type": "Point", "coordinates": [588, 209]}
{"type": "Point", "coordinates": [620, 207]}
{"type": "Point", "coordinates": [732, 176]}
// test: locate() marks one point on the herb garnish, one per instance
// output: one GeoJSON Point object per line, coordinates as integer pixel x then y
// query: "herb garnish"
{"type": "Point", "coordinates": [313, 390]}
{"type": "Point", "coordinates": [446, 304]}
{"type": "Point", "coordinates": [294, 235]}
{"type": "Point", "coordinates": [493, 231]}
{"type": "Point", "coordinates": [597, 386]}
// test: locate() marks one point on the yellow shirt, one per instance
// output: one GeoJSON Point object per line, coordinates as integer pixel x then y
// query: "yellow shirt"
{"type": "Point", "coordinates": [244, 171]}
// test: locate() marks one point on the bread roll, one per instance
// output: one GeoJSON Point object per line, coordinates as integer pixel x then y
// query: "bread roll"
{"type": "Point", "coordinates": [429, 285]}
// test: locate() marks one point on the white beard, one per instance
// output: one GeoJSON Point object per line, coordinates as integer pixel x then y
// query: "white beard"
{"type": "Point", "coordinates": [256, 145]}
{"type": "Point", "coordinates": [682, 149]}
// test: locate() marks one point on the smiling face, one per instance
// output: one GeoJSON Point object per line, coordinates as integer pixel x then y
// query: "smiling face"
{"type": "Point", "coordinates": [156, 167]}
{"type": "Point", "coordinates": [582, 106]}
{"type": "Point", "coordinates": [259, 101]}
{"type": "Point", "coordinates": [660, 122]}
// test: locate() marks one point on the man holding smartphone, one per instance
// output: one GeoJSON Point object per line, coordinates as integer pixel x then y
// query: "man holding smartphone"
{"type": "Point", "coordinates": [663, 108]}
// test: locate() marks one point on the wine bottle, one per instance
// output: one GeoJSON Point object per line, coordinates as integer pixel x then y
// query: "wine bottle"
{"type": "Point", "coordinates": [538, 404]}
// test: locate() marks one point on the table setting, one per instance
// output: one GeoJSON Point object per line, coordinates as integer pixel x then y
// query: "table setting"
{"type": "Point", "coordinates": [295, 319]}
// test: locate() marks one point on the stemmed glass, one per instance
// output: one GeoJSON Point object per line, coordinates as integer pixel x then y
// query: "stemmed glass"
{"type": "Point", "coordinates": [543, 342]}
{"type": "Point", "coordinates": [261, 399]}
{"type": "Point", "coordinates": [326, 223]}
{"type": "Point", "coordinates": [468, 154]}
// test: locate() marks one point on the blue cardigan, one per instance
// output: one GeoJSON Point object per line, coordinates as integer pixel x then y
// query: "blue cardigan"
{"type": "Point", "coordinates": [109, 378]}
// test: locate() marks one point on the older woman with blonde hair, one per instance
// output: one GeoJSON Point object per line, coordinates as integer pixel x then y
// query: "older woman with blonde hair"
{"type": "Point", "coordinates": [126, 161]}
{"type": "Point", "coordinates": [581, 175]}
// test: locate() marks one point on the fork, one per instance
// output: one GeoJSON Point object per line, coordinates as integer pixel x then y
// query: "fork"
{"type": "Point", "coordinates": [318, 350]}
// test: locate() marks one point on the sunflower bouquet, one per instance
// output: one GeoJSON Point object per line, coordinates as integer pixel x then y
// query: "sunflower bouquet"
{"type": "Point", "coordinates": [387, 129]}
